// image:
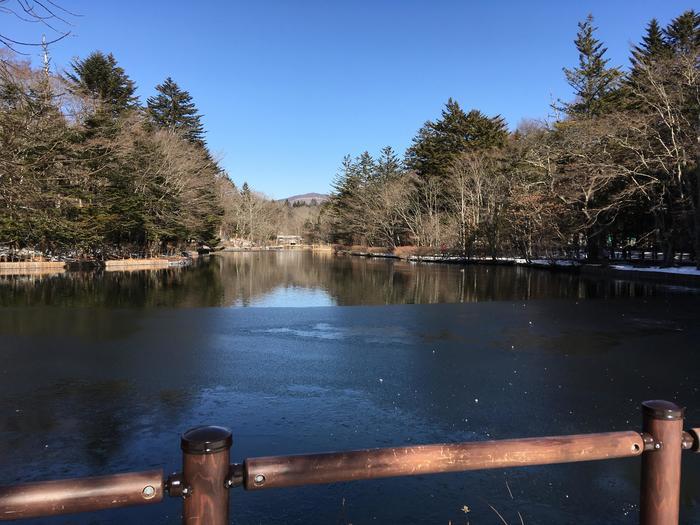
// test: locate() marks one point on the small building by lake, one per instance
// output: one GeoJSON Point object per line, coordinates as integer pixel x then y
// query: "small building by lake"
{"type": "Point", "coordinates": [289, 240]}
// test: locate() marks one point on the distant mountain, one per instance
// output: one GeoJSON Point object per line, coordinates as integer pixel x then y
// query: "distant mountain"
{"type": "Point", "coordinates": [307, 198]}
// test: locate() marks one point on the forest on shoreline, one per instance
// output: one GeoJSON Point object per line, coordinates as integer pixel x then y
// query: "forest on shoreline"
{"type": "Point", "coordinates": [615, 171]}
{"type": "Point", "coordinates": [88, 172]}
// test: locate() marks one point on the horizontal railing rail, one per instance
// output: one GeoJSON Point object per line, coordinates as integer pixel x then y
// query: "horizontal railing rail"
{"type": "Point", "coordinates": [207, 476]}
{"type": "Point", "coordinates": [48, 498]}
{"type": "Point", "coordinates": [287, 471]}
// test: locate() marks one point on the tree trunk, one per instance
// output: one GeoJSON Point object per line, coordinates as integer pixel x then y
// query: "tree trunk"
{"type": "Point", "coordinates": [669, 251]}
{"type": "Point", "coordinates": [696, 236]}
{"type": "Point", "coordinates": [696, 233]}
{"type": "Point", "coordinates": [593, 247]}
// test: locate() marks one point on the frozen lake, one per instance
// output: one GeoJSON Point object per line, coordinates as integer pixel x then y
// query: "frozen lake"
{"type": "Point", "coordinates": [299, 352]}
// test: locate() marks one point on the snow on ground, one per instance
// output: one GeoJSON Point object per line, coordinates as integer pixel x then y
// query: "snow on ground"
{"type": "Point", "coordinates": [683, 270]}
{"type": "Point", "coordinates": [547, 262]}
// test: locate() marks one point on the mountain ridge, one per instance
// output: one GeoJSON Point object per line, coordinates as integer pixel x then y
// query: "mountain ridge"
{"type": "Point", "coordinates": [306, 198]}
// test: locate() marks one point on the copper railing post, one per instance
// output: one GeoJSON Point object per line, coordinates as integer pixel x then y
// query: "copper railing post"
{"type": "Point", "coordinates": [661, 466]}
{"type": "Point", "coordinates": [205, 466]}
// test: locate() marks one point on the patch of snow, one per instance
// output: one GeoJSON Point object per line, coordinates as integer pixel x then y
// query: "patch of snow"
{"type": "Point", "coordinates": [545, 263]}
{"type": "Point", "coordinates": [683, 270]}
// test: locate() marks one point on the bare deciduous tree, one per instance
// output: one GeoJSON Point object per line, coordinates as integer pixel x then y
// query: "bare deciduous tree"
{"type": "Point", "coordinates": [50, 16]}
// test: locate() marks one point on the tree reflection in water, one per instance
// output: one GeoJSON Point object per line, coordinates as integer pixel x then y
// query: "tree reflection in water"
{"type": "Point", "coordinates": [304, 278]}
{"type": "Point", "coordinates": [99, 372]}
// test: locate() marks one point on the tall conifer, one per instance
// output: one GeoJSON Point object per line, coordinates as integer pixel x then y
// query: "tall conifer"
{"type": "Point", "coordinates": [652, 46]}
{"type": "Point", "coordinates": [439, 143]}
{"type": "Point", "coordinates": [594, 83]}
{"type": "Point", "coordinates": [99, 77]}
{"type": "Point", "coordinates": [388, 164]}
{"type": "Point", "coordinates": [683, 33]}
{"type": "Point", "coordinates": [172, 108]}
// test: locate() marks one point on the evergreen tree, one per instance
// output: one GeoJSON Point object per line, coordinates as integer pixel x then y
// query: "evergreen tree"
{"type": "Point", "coordinates": [652, 50]}
{"type": "Point", "coordinates": [595, 84]}
{"type": "Point", "coordinates": [652, 46]}
{"type": "Point", "coordinates": [388, 164]}
{"type": "Point", "coordinates": [344, 203]}
{"type": "Point", "coordinates": [597, 90]}
{"type": "Point", "coordinates": [347, 181]}
{"type": "Point", "coordinates": [439, 143]}
{"type": "Point", "coordinates": [99, 77]}
{"type": "Point", "coordinates": [173, 109]}
{"type": "Point", "coordinates": [365, 168]}
{"type": "Point", "coordinates": [683, 33]}
{"type": "Point", "coordinates": [39, 174]}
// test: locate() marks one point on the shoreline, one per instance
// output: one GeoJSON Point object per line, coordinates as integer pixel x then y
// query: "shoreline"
{"type": "Point", "coordinates": [276, 248]}
{"type": "Point", "coordinates": [9, 268]}
{"type": "Point", "coordinates": [32, 265]}
{"type": "Point", "coordinates": [678, 275]}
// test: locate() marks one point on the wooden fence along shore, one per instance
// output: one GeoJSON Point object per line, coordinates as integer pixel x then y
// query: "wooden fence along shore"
{"type": "Point", "coordinates": [44, 267]}
{"type": "Point", "coordinates": [32, 265]}
{"type": "Point", "coordinates": [149, 263]}
{"type": "Point", "coordinates": [208, 477]}
{"type": "Point", "coordinates": [31, 268]}
{"type": "Point", "coordinates": [9, 268]}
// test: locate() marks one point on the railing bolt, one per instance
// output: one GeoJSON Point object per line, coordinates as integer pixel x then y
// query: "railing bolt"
{"type": "Point", "coordinates": [148, 491]}
{"type": "Point", "coordinates": [259, 479]}
{"type": "Point", "coordinates": [235, 476]}
{"type": "Point", "coordinates": [175, 486]}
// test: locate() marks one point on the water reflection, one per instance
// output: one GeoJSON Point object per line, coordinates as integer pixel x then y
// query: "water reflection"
{"type": "Point", "coordinates": [300, 279]}
{"type": "Point", "coordinates": [105, 383]}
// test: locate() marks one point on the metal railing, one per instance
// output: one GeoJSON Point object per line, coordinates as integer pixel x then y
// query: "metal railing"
{"type": "Point", "coordinates": [208, 476]}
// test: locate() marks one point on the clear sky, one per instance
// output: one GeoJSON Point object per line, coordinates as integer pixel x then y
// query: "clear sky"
{"type": "Point", "coordinates": [289, 87]}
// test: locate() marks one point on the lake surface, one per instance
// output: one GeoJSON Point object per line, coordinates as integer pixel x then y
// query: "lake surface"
{"type": "Point", "coordinates": [306, 352]}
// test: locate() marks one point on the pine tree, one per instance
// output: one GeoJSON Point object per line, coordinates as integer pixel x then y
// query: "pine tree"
{"type": "Point", "coordinates": [347, 180]}
{"type": "Point", "coordinates": [99, 77]}
{"type": "Point", "coordinates": [439, 143]}
{"type": "Point", "coordinates": [365, 167]}
{"type": "Point", "coordinates": [345, 204]}
{"type": "Point", "coordinates": [595, 84]}
{"type": "Point", "coordinates": [683, 33]}
{"type": "Point", "coordinates": [652, 47]}
{"type": "Point", "coordinates": [388, 164]}
{"type": "Point", "coordinates": [652, 50]}
{"type": "Point", "coordinates": [173, 109]}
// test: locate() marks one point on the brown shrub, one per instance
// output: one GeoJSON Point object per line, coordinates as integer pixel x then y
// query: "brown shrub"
{"type": "Point", "coordinates": [408, 251]}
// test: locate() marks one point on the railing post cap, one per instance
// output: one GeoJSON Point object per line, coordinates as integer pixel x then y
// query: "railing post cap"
{"type": "Point", "coordinates": [660, 409]}
{"type": "Point", "coordinates": [206, 440]}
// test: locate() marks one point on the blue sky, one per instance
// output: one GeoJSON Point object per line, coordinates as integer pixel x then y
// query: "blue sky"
{"type": "Point", "coordinates": [289, 87]}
